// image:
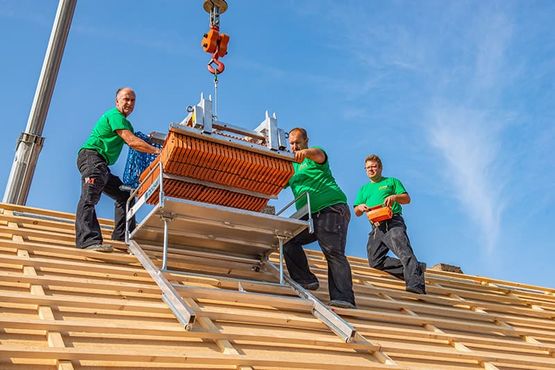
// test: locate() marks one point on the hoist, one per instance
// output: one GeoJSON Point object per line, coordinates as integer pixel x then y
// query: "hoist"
{"type": "Point", "coordinates": [215, 42]}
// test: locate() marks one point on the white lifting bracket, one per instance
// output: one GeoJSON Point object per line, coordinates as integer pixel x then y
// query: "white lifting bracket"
{"type": "Point", "coordinates": [201, 116]}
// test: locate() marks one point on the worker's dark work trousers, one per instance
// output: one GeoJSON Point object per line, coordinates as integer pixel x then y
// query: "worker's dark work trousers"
{"type": "Point", "coordinates": [330, 230]}
{"type": "Point", "coordinates": [392, 235]}
{"type": "Point", "coordinates": [96, 179]}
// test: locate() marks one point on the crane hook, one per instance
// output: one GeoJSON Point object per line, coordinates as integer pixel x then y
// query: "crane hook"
{"type": "Point", "coordinates": [219, 65]}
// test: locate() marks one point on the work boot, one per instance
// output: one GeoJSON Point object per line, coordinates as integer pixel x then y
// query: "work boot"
{"type": "Point", "coordinates": [104, 248]}
{"type": "Point", "coordinates": [311, 286]}
{"type": "Point", "coordinates": [341, 304]}
{"type": "Point", "coordinates": [416, 290]}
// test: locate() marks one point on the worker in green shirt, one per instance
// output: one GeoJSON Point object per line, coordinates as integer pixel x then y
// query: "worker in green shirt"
{"type": "Point", "coordinates": [389, 235]}
{"type": "Point", "coordinates": [331, 217]}
{"type": "Point", "coordinates": [101, 150]}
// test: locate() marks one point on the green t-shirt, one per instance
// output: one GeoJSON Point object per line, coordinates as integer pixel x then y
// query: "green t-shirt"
{"type": "Point", "coordinates": [317, 180]}
{"type": "Point", "coordinates": [104, 138]}
{"type": "Point", "coordinates": [374, 193]}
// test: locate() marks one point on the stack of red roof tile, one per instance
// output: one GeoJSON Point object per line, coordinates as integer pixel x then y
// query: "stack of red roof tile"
{"type": "Point", "coordinates": [210, 161]}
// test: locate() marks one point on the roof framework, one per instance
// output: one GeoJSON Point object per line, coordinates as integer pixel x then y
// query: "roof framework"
{"type": "Point", "coordinates": [63, 308]}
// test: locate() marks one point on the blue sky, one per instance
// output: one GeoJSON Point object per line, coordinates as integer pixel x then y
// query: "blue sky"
{"type": "Point", "coordinates": [456, 97]}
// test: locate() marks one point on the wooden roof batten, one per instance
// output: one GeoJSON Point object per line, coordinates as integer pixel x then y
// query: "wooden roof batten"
{"type": "Point", "coordinates": [64, 308]}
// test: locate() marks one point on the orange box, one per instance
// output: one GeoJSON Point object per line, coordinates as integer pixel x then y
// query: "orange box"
{"type": "Point", "coordinates": [379, 214]}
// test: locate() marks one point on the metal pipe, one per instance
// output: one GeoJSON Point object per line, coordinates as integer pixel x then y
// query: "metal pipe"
{"type": "Point", "coordinates": [127, 219]}
{"type": "Point", "coordinates": [30, 142]}
{"type": "Point", "coordinates": [165, 245]}
{"type": "Point", "coordinates": [281, 281]}
{"type": "Point", "coordinates": [293, 202]}
{"type": "Point", "coordinates": [164, 218]}
{"type": "Point", "coordinates": [310, 221]}
{"type": "Point", "coordinates": [161, 194]}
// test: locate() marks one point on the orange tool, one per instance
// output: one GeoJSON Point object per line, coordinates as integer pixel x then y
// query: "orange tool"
{"type": "Point", "coordinates": [379, 213]}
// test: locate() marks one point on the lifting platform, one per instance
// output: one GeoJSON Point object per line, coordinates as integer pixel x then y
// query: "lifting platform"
{"type": "Point", "coordinates": [216, 231]}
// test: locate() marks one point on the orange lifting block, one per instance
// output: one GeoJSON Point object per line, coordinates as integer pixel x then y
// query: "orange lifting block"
{"type": "Point", "coordinates": [379, 214]}
{"type": "Point", "coordinates": [210, 41]}
{"type": "Point", "coordinates": [215, 42]}
{"type": "Point", "coordinates": [217, 173]}
{"type": "Point", "coordinates": [224, 40]}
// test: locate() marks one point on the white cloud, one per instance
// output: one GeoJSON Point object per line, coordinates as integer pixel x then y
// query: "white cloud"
{"type": "Point", "coordinates": [463, 62]}
{"type": "Point", "coordinates": [467, 130]}
{"type": "Point", "coordinates": [469, 145]}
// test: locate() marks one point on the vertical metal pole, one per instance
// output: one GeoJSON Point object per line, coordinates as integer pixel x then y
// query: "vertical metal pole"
{"type": "Point", "coordinates": [310, 221]}
{"type": "Point", "coordinates": [281, 281]}
{"type": "Point", "coordinates": [30, 142]}
{"type": "Point", "coordinates": [161, 195]}
{"type": "Point", "coordinates": [165, 250]}
{"type": "Point", "coordinates": [164, 218]}
{"type": "Point", "coordinates": [127, 221]}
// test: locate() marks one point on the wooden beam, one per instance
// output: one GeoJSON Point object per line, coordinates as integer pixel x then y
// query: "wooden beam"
{"type": "Point", "coordinates": [160, 332]}
{"type": "Point", "coordinates": [289, 303]}
{"type": "Point", "coordinates": [4, 207]}
{"type": "Point", "coordinates": [97, 266]}
{"type": "Point", "coordinates": [80, 282]}
{"type": "Point", "coordinates": [54, 339]}
{"type": "Point", "coordinates": [457, 345]}
{"type": "Point", "coordinates": [223, 344]}
{"type": "Point", "coordinates": [76, 301]}
{"type": "Point", "coordinates": [440, 322]}
{"type": "Point", "coordinates": [115, 354]}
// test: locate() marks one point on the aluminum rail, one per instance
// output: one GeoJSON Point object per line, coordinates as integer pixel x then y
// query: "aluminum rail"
{"type": "Point", "coordinates": [332, 320]}
{"type": "Point", "coordinates": [184, 314]}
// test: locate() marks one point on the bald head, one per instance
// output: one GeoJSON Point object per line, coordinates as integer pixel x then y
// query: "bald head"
{"type": "Point", "coordinates": [298, 139]}
{"type": "Point", "coordinates": [125, 100]}
{"type": "Point", "coordinates": [124, 89]}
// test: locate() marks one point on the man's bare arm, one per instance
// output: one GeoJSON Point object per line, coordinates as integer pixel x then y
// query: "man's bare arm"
{"type": "Point", "coordinates": [399, 198]}
{"type": "Point", "coordinates": [136, 142]}
{"type": "Point", "coordinates": [360, 209]}
{"type": "Point", "coordinates": [315, 154]}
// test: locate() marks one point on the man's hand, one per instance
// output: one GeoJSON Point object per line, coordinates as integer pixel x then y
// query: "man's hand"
{"type": "Point", "coordinates": [314, 154]}
{"type": "Point", "coordinates": [399, 198]}
{"type": "Point", "coordinates": [360, 209]}
{"type": "Point", "coordinates": [300, 155]}
{"type": "Point", "coordinates": [388, 202]}
{"type": "Point", "coordinates": [137, 143]}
